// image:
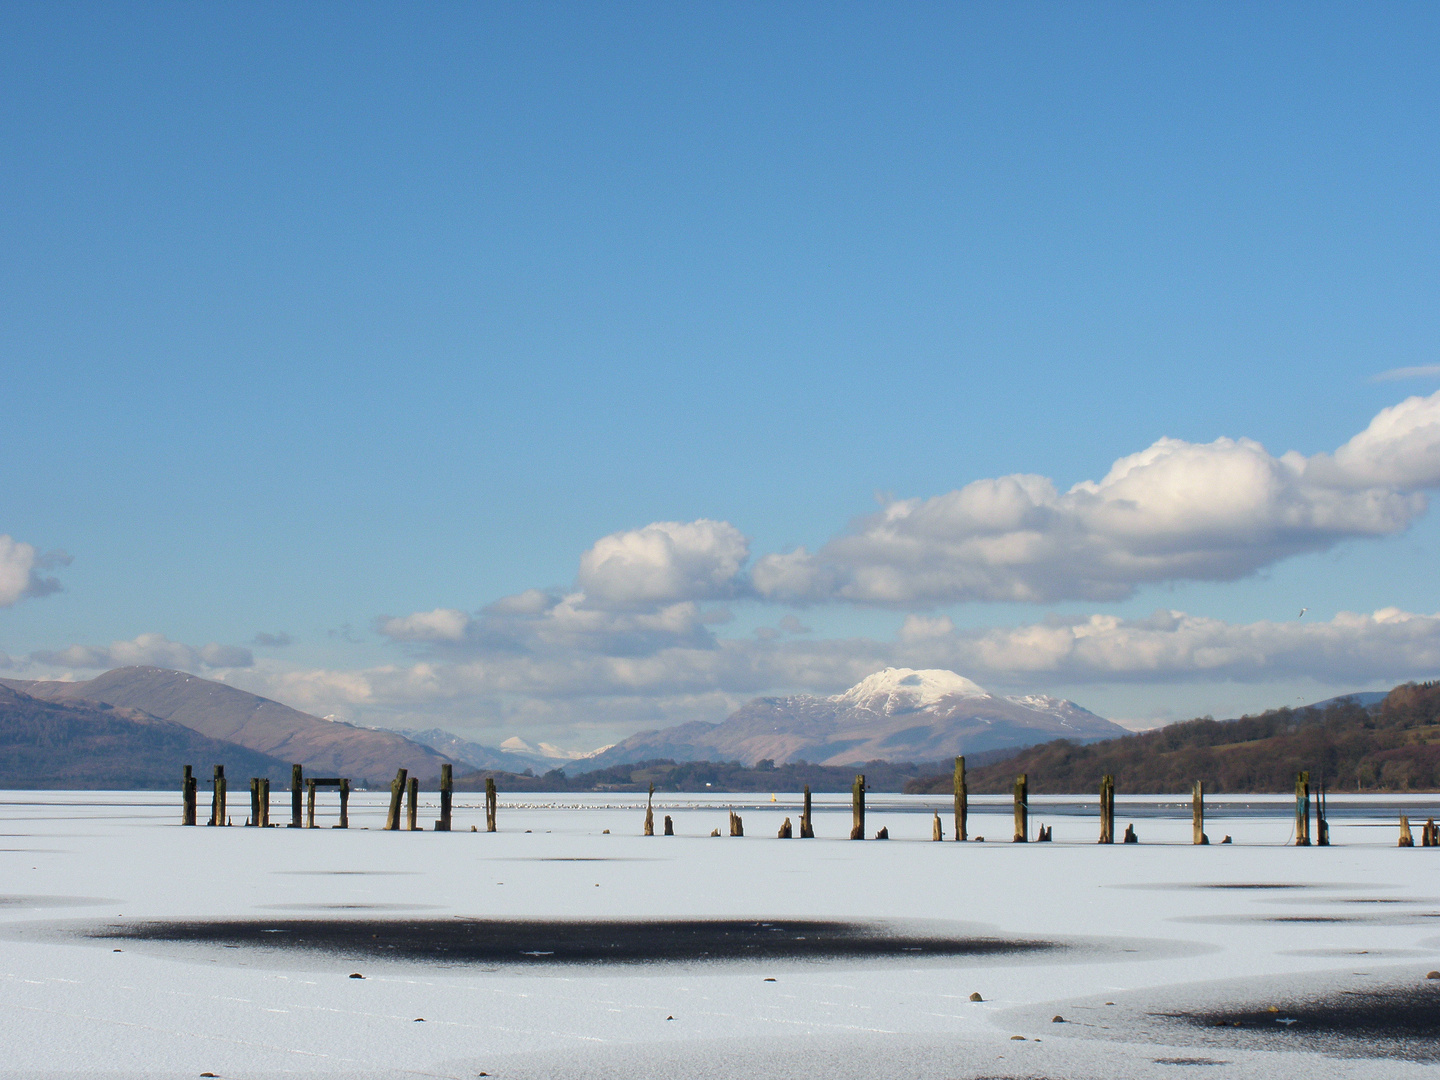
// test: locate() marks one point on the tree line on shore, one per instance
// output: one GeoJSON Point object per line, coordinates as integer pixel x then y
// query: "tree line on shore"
{"type": "Point", "coordinates": [1390, 747]}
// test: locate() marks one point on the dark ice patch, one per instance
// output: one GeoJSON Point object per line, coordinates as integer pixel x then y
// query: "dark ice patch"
{"type": "Point", "coordinates": [1393, 1021]}
{"type": "Point", "coordinates": [529, 942]}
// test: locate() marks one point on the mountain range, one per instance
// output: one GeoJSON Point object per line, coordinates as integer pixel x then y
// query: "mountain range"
{"type": "Point", "coordinates": [86, 744]}
{"type": "Point", "coordinates": [504, 757]}
{"type": "Point", "coordinates": [898, 714]}
{"type": "Point", "coordinates": [227, 715]}
{"type": "Point", "coordinates": [1347, 743]}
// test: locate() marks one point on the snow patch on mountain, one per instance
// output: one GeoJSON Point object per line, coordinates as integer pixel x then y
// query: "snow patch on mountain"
{"type": "Point", "coordinates": [903, 689]}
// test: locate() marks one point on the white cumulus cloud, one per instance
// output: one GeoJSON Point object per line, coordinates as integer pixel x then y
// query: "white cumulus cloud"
{"type": "Point", "coordinates": [663, 563]}
{"type": "Point", "coordinates": [20, 564]}
{"type": "Point", "coordinates": [1214, 511]}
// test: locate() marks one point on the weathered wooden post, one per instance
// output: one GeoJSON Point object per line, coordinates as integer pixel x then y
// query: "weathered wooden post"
{"type": "Point", "coordinates": [310, 803]}
{"type": "Point", "coordinates": [737, 827]}
{"type": "Point", "coordinates": [1302, 809]}
{"type": "Point", "coordinates": [1197, 814]}
{"type": "Point", "coordinates": [669, 826]}
{"type": "Point", "coordinates": [785, 833]}
{"type": "Point", "coordinates": [218, 813]}
{"type": "Point", "coordinates": [937, 832]}
{"type": "Point", "coordinates": [1322, 819]}
{"type": "Point", "coordinates": [492, 803]}
{"type": "Point", "coordinates": [1130, 836]}
{"type": "Point", "coordinates": [345, 803]}
{"type": "Point", "coordinates": [962, 802]}
{"type": "Point", "coordinates": [254, 818]}
{"type": "Point", "coordinates": [264, 802]}
{"type": "Point", "coordinates": [397, 793]}
{"type": "Point", "coordinates": [412, 804]}
{"type": "Point", "coordinates": [1107, 810]}
{"type": "Point", "coordinates": [1406, 839]}
{"type": "Point", "coordinates": [187, 789]}
{"type": "Point", "coordinates": [1022, 808]}
{"type": "Point", "coordinates": [807, 827]}
{"type": "Point", "coordinates": [297, 778]}
{"type": "Point", "coordinates": [650, 812]}
{"type": "Point", "coordinates": [447, 781]}
{"type": "Point", "coordinates": [857, 808]}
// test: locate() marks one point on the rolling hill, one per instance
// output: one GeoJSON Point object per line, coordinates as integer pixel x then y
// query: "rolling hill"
{"type": "Point", "coordinates": [1391, 746]}
{"type": "Point", "coordinates": [82, 744]}
{"type": "Point", "coordinates": [230, 715]}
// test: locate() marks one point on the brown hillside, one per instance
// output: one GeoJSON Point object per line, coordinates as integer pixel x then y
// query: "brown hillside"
{"type": "Point", "coordinates": [1395, 747]}
{"type": "Point", "coordinates": [82, 744]}
{"type": "Point", "coordinates": [222, 712]}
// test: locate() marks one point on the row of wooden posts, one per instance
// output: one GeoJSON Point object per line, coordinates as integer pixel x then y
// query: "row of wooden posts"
{"type": "Point", "coordinates": [404, 794]}
{"type": "Point", "coordinates": [1430, 833]}
{"type": "Point", "coordinates": [405, 790]}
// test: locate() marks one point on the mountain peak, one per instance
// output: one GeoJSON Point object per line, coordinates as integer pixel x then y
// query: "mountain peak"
{"type": "Point", "coordinates": [896, 689]}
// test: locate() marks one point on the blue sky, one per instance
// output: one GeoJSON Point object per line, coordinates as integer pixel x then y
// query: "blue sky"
{"type": "Point", "coordinates": [318, 318]}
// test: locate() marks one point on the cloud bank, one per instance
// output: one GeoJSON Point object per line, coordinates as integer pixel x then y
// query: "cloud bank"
{"type": "Point", "coordinates": [153, 650]}
{"type": "Point", "coordinates": [1176, 511]}
{"type": "Point", "coordinates": [575, 683]}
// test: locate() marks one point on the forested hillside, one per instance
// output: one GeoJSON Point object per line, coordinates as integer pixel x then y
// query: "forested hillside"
{"type": "Point", "coordinates": [1394, 746]}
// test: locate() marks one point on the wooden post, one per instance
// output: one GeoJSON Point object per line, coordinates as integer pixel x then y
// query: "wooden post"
{"type": "Point", "coordinates": [492, 803]}
{"type": "Point", "coordinates": [669, 826]}
{"type": "Point", "coordinates": [397, 793]}
{"type": "Point", "coordinates": [310, 803]}
{"type": "Point", "coordinates": [264, 802]}
{"type": "Point", "coordinates": [447, 781]}
{"type": "Point", "coordinates": [962, 802]}
{"type": "Point", "coordinates": [807, 827]}
{"type": "Point", "coordinates": [345, 803]}
{"type": "Point", "coordinates": [650, 812]}
{"type": "Point", "coordinates": [254, 802]}
{"type": "Point", "coordinates": [737, 827]}
{"type": "Point", "coordinates": [1302, 809]}
{"type": "Point", "coordinates": [218, 813]}
{"type": "Point", "coordinates": [937, 831]}
{"type": "Point", "coordinates": [187, 790]}
{"type": "Point", "coordinates": [785, 833]}
{"type": "Point", "coordinates": [1406, 840]}
{"type": "Point", "coordinates": [412, 804]}
{"type": "Point", "coordinates": [1022, 808]}
{"type": "Point", "coordinates": [1107, 810]}
{"type": "Point", "coordinates": [297, 778]}
{"type": "Point", "coordinates": [1130, 837]}
{"type": "Point", "coordinates": [1197, 814]}
{"type": "Point", "coordinates": [857, 808]}
{"type": "Point", "coordinates": [1322, 819]}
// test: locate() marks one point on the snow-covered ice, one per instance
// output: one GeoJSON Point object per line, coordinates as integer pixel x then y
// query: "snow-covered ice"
{"type": "Point", "coordinates": [1164, 930]}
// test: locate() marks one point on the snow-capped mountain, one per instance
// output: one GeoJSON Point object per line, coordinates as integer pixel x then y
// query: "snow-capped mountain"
{"type": "Point", "coordinates": [901, 689]}
{"type": "Point", "coordinates": [898, 714]}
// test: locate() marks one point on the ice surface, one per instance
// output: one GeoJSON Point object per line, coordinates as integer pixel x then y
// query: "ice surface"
{"type": "Point", "coordinates": [1158, 928]}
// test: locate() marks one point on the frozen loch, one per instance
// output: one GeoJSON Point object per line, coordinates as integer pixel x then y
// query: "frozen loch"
{"type": "Point", "coordinates": [134, 947]}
